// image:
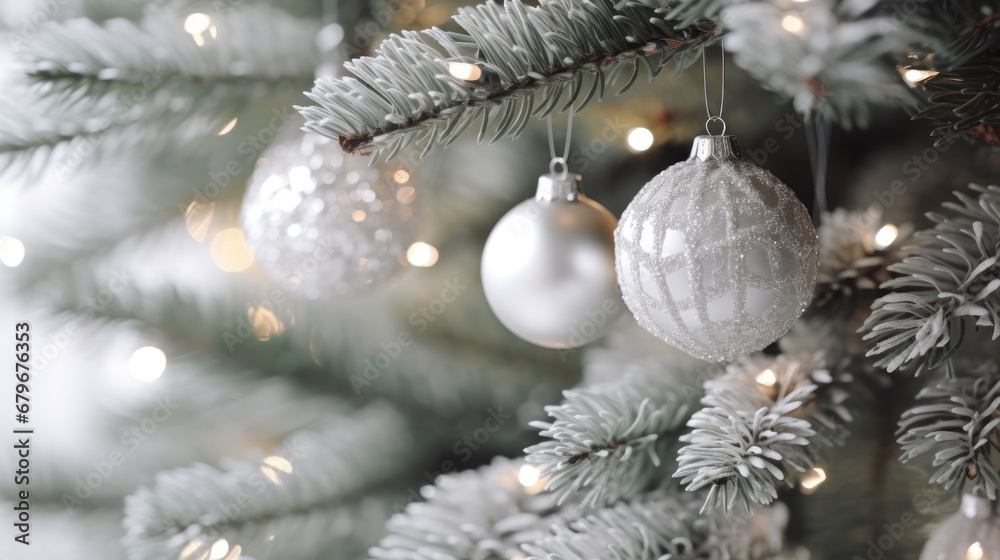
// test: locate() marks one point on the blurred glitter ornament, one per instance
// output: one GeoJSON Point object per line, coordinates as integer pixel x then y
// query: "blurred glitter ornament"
{"type": "Point", "coordinates": [548, 266]}
{"type": "Point", "coordinates": [972, 533]}
{"type": "Point", "coordinates": [715, 255]}
{"type": "Point", "coordinates": [324, 223]}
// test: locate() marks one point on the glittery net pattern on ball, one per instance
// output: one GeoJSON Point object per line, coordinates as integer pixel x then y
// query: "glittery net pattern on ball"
{"type": "Point", "coordinates": [324, 223]}
{"type": "Point", "coordinates": [715, 255]}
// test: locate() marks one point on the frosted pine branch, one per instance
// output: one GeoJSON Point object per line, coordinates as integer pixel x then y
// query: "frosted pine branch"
{"type": "Point", "coordinates": [483, 513]}
{"type": "Point", "coordinates": [759, 428]}
{"type": "Point", "coordinates": [839, 61]}
{"type": "Point", "coordinates": [348, 528]}
{"type": "Point", "coordinates": [519, 61]}
{"type": "Point", "coordinates": [956, 420]}
{"type": "Point", "coordinates": [125, 83]}
{"type": "Point", "coordinates": [250, 45]}
{"type": "Point", "coordinates": [948, 279]}
{"type": "Point", "coordinates": [312, 470]}
{"type": "Point", "coordinates": [687, 12]}
{"type": "Point", "coordinates": [647, 528]}
{"type": "Point", "coordinates": [607, 439]}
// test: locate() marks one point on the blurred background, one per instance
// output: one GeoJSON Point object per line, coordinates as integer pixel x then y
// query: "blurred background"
{"type": "Point", "coordinates": [170, 367]}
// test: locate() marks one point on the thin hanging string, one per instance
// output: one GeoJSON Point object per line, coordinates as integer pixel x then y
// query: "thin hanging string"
{"type": "Point", "coordinates": [722, 86]}
{"type": "Point", "coordinates": [559, 160]}
{"type": "Point", "coordinates": [818, 141]}
{"type": "Point", "coordinates": [329, 59]}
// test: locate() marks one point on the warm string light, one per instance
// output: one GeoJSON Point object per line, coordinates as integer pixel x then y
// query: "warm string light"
{"type": "Point", "coordinates": [531, 479]}
{"type": "Point", "coordinates": [229, 250]}
{"type": "Point", "coordinates": [11, 251]}
{"type": "Point", "coordinates": [886, 236]}
{"type": "Point", "coordinates": [219, 550]}
{"type": "Point", "coordinates": [975, 552]}
{"type": "Point", "coordinates": [406, 194]}
{"type": "Point", "coordinates": [813, 480]}
{"type": "Point", "coordinates": [197, 218]}
{"type": "Point", "coordinates": [265, 323]}
{"type": "Point", "coordinates": [913, 76]}
{"type": "Point", "coordinates": [793, 23]}
{"type": "Point", "coordinates": [528, 475]}
{"type": "Point", "coordinates": [192, 551]}
{"type": "Point", "coordinates": [147, 363]}
{"type": "Point", "coordinates": [275, 463]}
{"type": "Point", "coordinates": [639, 139]}
{"type": "Point", "coordinates": [279, 463]}
{"type": "Point", "coordinates": [422, 254]}
{"type": "Point", "coordinates": [229, 127]}
{"type": "Point", "coordinates": [464, 71]}
{"type": "Point", "coordinates": [767, 378]}
{"type": "Point", "coordinates": [197, 24]}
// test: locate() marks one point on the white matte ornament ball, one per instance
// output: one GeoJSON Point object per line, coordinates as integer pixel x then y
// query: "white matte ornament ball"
{"type": "Point", "coordinates": [715, 255]}
{"type": "Point", "coordinates": [548, 267]}
{"type": "Point", "coordinates": [324, 223]}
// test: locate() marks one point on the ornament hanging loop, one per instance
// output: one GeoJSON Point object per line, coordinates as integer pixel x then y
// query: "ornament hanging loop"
{"type": "Point", "coordinates": [710, 121]}
{"type": "Point", "coordinates": [559, 161]}
{"type": "Point", "coordinates": [722, 97]}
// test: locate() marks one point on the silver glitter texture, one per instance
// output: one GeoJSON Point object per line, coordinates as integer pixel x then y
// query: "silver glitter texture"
{"type": "Point", "coordinates": [324, 223]}
{"type": "Point", "coordinates": [716, 256]}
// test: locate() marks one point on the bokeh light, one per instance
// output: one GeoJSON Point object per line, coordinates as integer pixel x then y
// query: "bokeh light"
{"type": "Point", "coordinates": [147, 363]}
{"type": "Point", "coordinates": [11, 251]}
{"type": "Point", "coordinates": [767, 378]}
{"type": "Point", "coordinates": [229, 126]}
{"type": "Point", "coordinates": [793, 23]}
{"type": "Point", "coordinates": [886, 236]}
{"type": "Point", "coordinates": [639, 139]}
{"type": "Point", "coordinates": [422, 254]}
{"type": "Point", "coordinates": [229, 250]}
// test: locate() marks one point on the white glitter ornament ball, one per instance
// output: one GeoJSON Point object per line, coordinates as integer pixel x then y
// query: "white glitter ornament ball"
{"type": "Point", "coordinates": [548, 267]}
{"type": "Point", "coordinates": [972, 533]}
{"type": "Point", "coordinates": [715, 255]}
{"type": "Point", "coordinates": [324, 223]}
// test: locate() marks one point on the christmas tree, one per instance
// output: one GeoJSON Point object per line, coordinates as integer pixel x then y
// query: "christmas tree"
{"type": "Point", "coordinates": [277, 281]}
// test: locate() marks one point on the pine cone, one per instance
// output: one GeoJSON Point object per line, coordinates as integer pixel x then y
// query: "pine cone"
{"type": "Point", "coordinates": [852, 263]}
